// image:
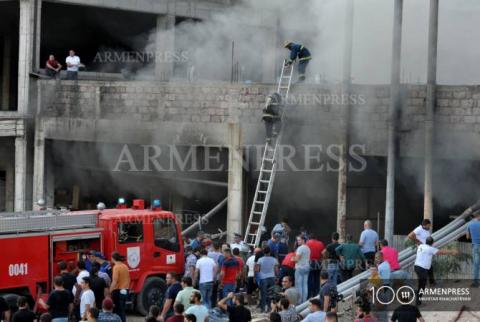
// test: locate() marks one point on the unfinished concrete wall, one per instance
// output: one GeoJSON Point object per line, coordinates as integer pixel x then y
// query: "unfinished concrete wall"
{"type": "Point", "coordinates": [174, 113]}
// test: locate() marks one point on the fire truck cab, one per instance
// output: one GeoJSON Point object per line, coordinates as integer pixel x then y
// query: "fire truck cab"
{"type": "Point", "coordinates": [33, 243]}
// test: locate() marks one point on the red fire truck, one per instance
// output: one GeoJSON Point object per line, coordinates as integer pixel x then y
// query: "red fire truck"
{"type": "Point", "coordinates": [32, 243]}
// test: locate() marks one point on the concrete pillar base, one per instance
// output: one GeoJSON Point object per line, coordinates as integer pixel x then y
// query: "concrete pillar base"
{"type": "Point", "coordinates": [20, 173]}
{"type": "Point", "coordinates": [235, 182]}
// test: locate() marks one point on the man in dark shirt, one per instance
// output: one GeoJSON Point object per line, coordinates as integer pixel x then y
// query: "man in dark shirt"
{"type": "Point", "coordinates": [69, 279]}
{"type": "Point", "coordinates": [174, 287]}
{"type": "Point", "coordinates": [236, 312]}
{"type": "Point", "coordinates": [333, 258]}
{"type": "Point", "coordinates": [327, 287]}
{"type": "Point", "coordinates": [97, 284]}
{"type": "Point", "coordinates": [406, 313]}
{"type": "Point", "coordinates": [23, 314]}
{"type": "Point", "coordinates": [5, 311]}
{"type": "Point", "coordinates": [60, 301]}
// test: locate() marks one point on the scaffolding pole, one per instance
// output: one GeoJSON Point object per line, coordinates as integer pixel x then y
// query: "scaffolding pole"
{"type": "Point", "coordinates": [343, 160]}
{"type": "Point", "coordinates": [392, 128]}
{"type": "Point", "coordinates": [206, 216]}
{"type": "Point", "coordinates": [430, 107]}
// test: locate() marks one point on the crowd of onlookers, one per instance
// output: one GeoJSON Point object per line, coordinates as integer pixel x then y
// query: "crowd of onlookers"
{"type": "Point", "coordinates": [225, 281]}
{"type": "Point", "coordinates": [93, 289]}
{"type": "Point", "coordinates": [283, 273]}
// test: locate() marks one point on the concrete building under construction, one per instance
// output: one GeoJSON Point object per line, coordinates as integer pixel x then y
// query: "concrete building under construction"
{"type": "Point", "coordinates": [174, 128]}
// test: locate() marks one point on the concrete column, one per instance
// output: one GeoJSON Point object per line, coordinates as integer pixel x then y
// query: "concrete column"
{"type": "Point", "coordinates": [345, 139]}
{"type": "Point", "coordinates": [39, 166]}
{"type": "Point", "coordinates": [49, 178]}
{"type": "Point", "coordinates": [6, 63]}
{"type": "Point", "coordinates": [395, 103]}
{"type": "Point", "coordinates": [25, 51]}
{"type": "Point", "coordinates": [165, 47]}
{"type": "Point", "coordinates": [235, 181]}
{"type": "Point", "coordinates": [430, 107]}
{"type": "Point", "coordinates": [38, 25]}
{"type": "Point", "coordinates": [20, 173]}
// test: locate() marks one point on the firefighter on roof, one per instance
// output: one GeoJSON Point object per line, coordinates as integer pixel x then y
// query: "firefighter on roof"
{"type": "Point", "coordinates": [303, 55]}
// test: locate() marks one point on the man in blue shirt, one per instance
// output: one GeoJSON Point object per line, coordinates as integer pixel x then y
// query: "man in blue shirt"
{"type": "Point", "coordinates": [368, 242]}
{"type": "Point", "coordinates": [327, 287]}
{"type": "Point", "coordinates": [197, 242]}
{"type": "Point", "coordinates": [267, 268]}
{"type": "Point", "coordinates": [473, 233]}
{"type": "Point", "coordinates": [383, 268]}
{"type": "Point", "coordinates": [274, 244]}
{"type": "Point", "coordinates": [316, 312]}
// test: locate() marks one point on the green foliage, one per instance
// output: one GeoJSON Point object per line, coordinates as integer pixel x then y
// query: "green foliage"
{"type": "Point", "coordinates": [450, 264]}
{"type": "Point", "coordinates": [409, 243]}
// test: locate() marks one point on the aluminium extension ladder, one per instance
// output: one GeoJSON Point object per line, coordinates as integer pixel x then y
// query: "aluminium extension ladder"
{"type": "Point", "coordinates": [268, 168]}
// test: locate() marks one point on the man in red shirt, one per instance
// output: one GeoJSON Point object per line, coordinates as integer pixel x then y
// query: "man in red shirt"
{"type": "Point", "coordinates": [390, 255]}
{"type": "Point", "coordinates": [316, 249]}
{"type": "Point", "coordinates": [52, 67]}
{"type": "Point", "coordinates": [230, 271]}
{"type": "Point", "coordinates": [241, 263]}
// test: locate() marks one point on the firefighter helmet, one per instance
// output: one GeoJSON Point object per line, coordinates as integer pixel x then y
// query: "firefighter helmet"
{"type": "Point", "coordinates": [101, 206]}
{"type": "Point", "coordinates": [286, 43]}
{"type": "Point", "coordinates": [41, 202]}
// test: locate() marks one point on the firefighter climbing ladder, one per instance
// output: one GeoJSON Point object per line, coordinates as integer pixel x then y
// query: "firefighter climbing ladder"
{"type": "Point", "coordinates": [268, 168]}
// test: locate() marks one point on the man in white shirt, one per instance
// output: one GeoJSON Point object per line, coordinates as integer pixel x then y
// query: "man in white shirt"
{"type": "Point", "coordinates": [205, 272]}
{"type": "Point", "coordinates": [87, 300]}
{"type": "Point", "coordinates": [81, 274]}
{"type": "Point", "coordinates": [423, 263]}
{"type": "Point", "coordinates": [73, 63]}
{"type": "Point", "coordinates": [419, 235]}
{"type": "Point", "coordinates": [239, 243]}
{"type": "Point", "coordinates": [250, 264]}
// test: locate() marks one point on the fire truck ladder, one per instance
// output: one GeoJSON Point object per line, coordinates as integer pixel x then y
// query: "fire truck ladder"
{"type": "Point", "coordinates": [268, 169]}
{"type": "Point", "coordinates": [40, 221]}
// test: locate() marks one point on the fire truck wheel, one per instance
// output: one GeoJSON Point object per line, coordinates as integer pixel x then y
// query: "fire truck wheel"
{"type": "Point", "coordinates": [152, 293]}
